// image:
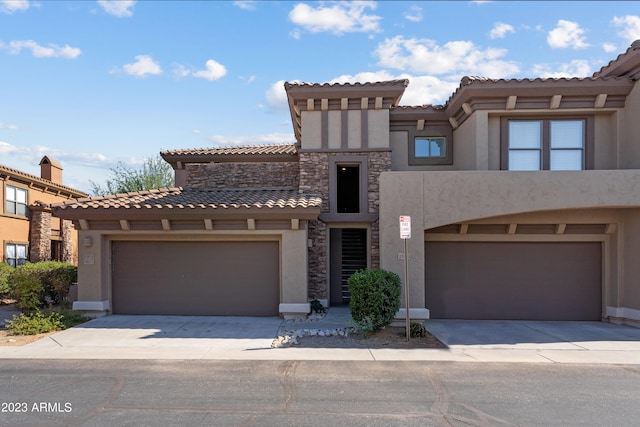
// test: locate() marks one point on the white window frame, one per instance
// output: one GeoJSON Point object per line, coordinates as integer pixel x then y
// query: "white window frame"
{"type": "Point", "coordinates": [13, 202]}
{"type": "Point", "coordinates": [15, 260]}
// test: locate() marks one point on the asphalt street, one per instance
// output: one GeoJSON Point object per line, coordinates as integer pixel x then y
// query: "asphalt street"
{"type": "Point", "coordinates": [314, 393]}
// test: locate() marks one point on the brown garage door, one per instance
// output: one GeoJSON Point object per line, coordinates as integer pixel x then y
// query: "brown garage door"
{"type": "Point", "coordinates": [528, 281]}
{"type": "Point", "coordinates": [196, 278]}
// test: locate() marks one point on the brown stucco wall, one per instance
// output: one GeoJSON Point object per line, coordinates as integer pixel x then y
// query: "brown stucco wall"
{"type": "Point", "coordinates": [242, 175]}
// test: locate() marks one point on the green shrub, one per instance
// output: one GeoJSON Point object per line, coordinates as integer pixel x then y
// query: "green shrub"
{"type": "Point", "coordinates": [35, 285]}
{"type": "Point", "coordinates": [5, 276]}
{"type": "Point", "coordinates": [27, 288]}
{"type": "Point", "coordinates": [35, 323]}
{"type": "Point", "coordinates": [375, 297]}
{"type": "Point", "coordinates": [71, 318]}
{"type": "Point", "coordinates": [417, 330]}
{"type": "Point", "coordinates": [363, 327]}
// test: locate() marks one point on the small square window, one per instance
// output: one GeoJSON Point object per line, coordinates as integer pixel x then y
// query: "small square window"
{"type": "Point", "coordinates": [430, 147]}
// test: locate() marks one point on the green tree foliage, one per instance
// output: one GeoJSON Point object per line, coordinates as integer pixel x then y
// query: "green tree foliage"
{"type": "Point", "coordinates": [154, 173]}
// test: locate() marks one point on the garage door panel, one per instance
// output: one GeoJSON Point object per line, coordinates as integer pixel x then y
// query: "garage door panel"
{"type": "Point", "coordinates": [196, 278]}
{"type": "Point", "coordinates": [514, 280]}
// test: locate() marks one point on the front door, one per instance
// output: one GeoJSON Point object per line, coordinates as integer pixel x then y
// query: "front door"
{"type": "Point", "coordinates": [348, 254]}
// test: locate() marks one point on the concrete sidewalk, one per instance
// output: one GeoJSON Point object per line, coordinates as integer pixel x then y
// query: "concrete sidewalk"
{"type": "Point", "coordinates": [247, 338]}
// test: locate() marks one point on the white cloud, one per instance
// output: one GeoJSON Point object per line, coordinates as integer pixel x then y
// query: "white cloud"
{"type": "Point", "coordinates": [8, 126]}
{"type": "Point", "coordinates": [10, 6]}
{"type": "Point", "coordinates": [276, 98]}
{"type": "Point", "coordinates": [33, 155]}
{"type": "Point", "coordinates": [414, 14]}
{"type": "Point", "coordinates": [119, 8]}
{"type": "Point", "coordinates": [180, 71]}
{"type": "Point", "coordinates": [272, 138]}
{"type": "Point", "coordinates": [567, 34]}
{"type": "Point", "coordinates": [6, 148]}
{"type": "Point", "coordinates": [336, 17]}
{"type": "Point", "coordinates": [38, 51]}
{"type": "Point", "coordinates": [630, 27]}
{"type": "Point", "coordinates": [609, 47]}
{"type": "Point", "coordinates": [245, 4]}
{"type": "Point", "coordinates": [500, 30]}
{"type": "Point", "coordinates": [455, 58]}
{"type": "Point", "coordinates": [214, 71]}
{"type": "Point", "coordinates": [422, 90]}
{"type": "Point", "coordinates": [576, 68]}
{"type": "Point", "coordinates": [144, 66]}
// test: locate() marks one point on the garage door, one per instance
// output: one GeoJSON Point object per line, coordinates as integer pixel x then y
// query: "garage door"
{"type": "Point", "coordinates": [196, 278]}
{"type": "Point", "coordinates": [528, 281]}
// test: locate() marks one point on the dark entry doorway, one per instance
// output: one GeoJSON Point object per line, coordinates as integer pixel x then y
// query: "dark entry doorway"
{"type": "Point", "coordinates": [348, 254]}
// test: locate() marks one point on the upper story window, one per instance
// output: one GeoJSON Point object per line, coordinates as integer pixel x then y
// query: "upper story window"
{"type": "Point", "coordinates": [430, 150]}
{"type": "Point", "coordinates": [348, 188]}
{"type": "Point", "coordinates": [547, 144]}
{"type": "Point", "coordinates": [16, 254]}
{"type": "Point", "coordinates": [430, 147]}
{"type": "Point", "coordinates": [16, 201]}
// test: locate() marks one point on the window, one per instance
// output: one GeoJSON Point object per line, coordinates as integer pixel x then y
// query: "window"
{"type": "Point", "coordinates": [16, 201]}
{"type": "Point", "coordinates": [546, 144]}
{"type": "Point", "coordinates": [348, 191]}
{"type": "Point", "coordinates": [16, 254]}
{"type": "Point", "coordinates": [432, 145]}
{"type": "Point", "coordinates": [427, 147]}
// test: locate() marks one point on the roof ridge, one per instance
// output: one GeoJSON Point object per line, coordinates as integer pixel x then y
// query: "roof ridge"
{"type": "Point", "coordinates": [39, 179]}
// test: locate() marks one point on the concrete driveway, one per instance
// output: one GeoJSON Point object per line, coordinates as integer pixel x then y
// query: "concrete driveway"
{"type": "Point", "coordinates": [561, 341]}
{"type": "Point", "coordinates": [250, 338]}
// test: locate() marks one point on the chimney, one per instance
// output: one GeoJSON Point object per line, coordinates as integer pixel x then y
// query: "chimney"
{"type": "Point", "coordinates": [51, 169]}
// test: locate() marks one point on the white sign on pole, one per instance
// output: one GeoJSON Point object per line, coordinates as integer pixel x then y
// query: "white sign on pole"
{"type": "Point", "coordinates": [405, 227]}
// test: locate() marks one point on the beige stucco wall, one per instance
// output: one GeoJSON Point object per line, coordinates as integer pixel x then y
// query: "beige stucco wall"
{"type": "Point", "coordinates": [94, 274]}
{"type": "Point", "coordinates": [434, 199]}
{"type": "Point", "coordinates": [630, 292]}
{"type": "Point", "coordinates": [377, 130]}
{"type": "Point", "coordinates": [629, 154]}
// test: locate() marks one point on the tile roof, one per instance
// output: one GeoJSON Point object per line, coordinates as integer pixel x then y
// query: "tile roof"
{"type": "Point", "coordinates": [241, 150]}
{"type": "Point", "coordinates": [403, 82]}
{"type": "Point", "coordinates": [181, 199]}
{"type": "Point", "coordinates": [6, 170]}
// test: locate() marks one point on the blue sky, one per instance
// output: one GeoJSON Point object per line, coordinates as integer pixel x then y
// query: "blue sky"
{"type": "Point", "coordinates": [92, 83]}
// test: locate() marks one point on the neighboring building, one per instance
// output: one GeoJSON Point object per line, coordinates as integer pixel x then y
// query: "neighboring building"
{"type": "Point", "coordinates": [27, 230]}
{"type": "Point", "coordinates": [524, 198]}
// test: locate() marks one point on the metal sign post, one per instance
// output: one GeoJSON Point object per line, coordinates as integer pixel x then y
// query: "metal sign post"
{"type": "Point", "coordinates": [405, 234]}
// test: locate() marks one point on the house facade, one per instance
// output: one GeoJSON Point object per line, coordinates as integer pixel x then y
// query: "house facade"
{"type": "Point", "coordinates": [28, 231]}
{"type": "Point", "coordinates": [523, 195]}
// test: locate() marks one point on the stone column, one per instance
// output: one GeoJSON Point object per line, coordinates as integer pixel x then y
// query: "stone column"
{"type": "Point", "coordinates": [39, 232]}
{"type": "Point", "coordinates": [67, 241]}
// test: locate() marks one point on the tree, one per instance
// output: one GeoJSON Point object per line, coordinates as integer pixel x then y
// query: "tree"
{"type": "Point", "coordinates": [155, 173]}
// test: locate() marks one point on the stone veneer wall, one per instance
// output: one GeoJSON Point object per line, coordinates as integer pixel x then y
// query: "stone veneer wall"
{"type": "Point", "coordinates": [39, 232]}
{"type": "Point", "coordinates": [314, 179]}
{"type": "Point", "coordinates": [242, 175]}
{"type": "Point", "coordinates": [67, 242]}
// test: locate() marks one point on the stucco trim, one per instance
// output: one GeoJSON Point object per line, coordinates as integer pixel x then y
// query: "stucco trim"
{"type": "Point", "coordinates": [290, 311]}
{"type": "Point", "coordinates": [623, 313]}
{"type": "Point", "coordinates": [91, 305]}
{"type": "Point", "coordinates": [414, 314]}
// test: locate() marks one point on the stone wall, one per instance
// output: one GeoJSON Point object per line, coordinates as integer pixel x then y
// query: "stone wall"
{"type": "Point", "coordinates": [242, 175]}
{"type": "Point", "coordinates": [314, 179]}
{"type": "Point", "coordinates": [40, 232]}
{"type": "Point", "coordinates": [67, 242]}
